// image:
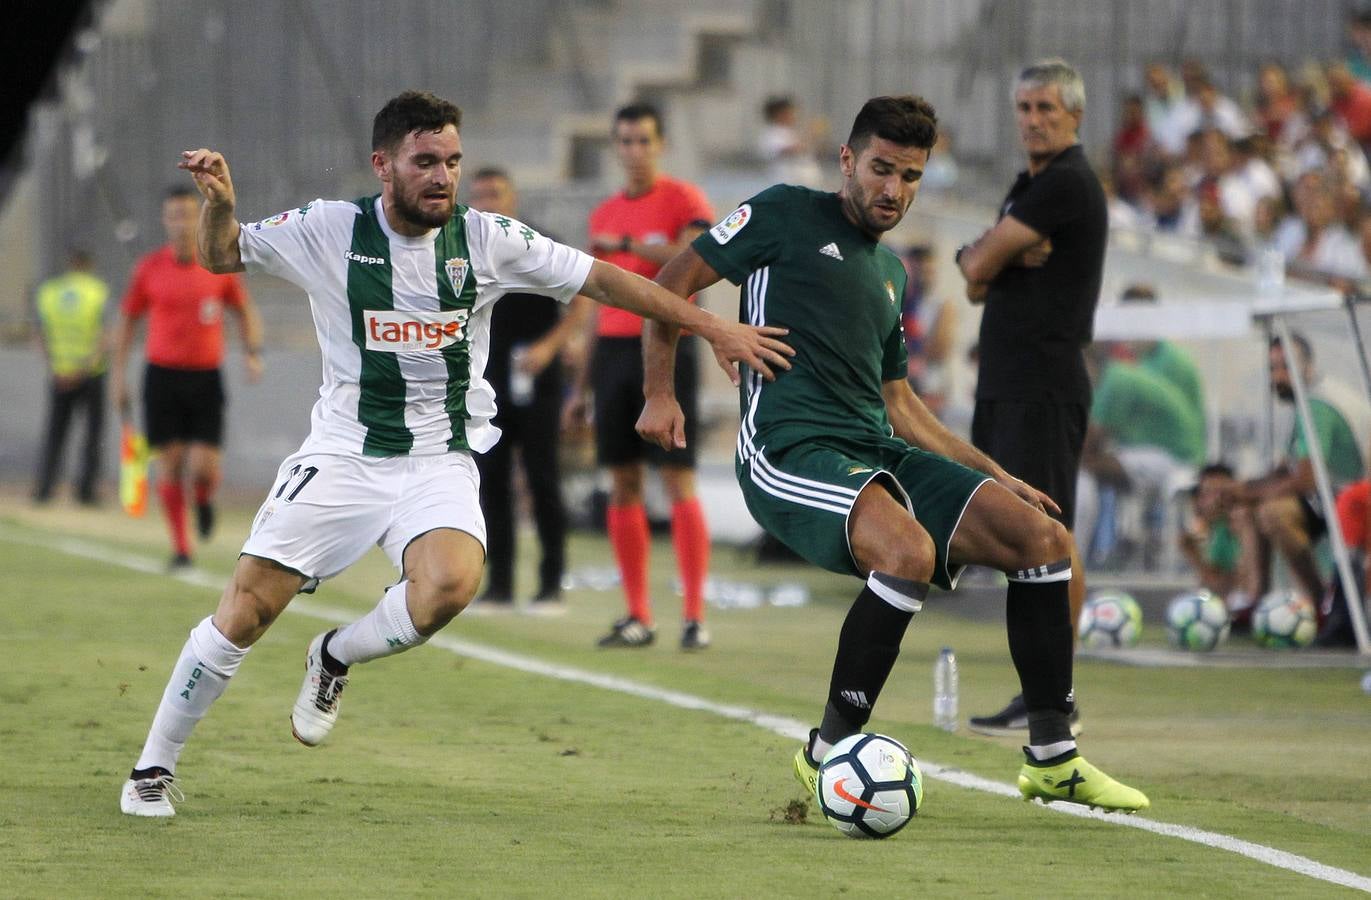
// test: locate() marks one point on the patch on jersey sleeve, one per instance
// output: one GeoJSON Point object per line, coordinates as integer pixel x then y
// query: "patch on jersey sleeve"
{"type": "Point", "coordinates": [273, 221]}
{"type": "Point", "coordinates": [736, 221]}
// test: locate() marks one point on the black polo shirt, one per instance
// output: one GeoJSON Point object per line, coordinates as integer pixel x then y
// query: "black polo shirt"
{"type": "Point", "coordinates": [1036, 322]}
{"type": "Point", "coordinates": [517, 320]}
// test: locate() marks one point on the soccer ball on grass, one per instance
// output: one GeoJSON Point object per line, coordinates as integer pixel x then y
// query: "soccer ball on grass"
{"type": "Point", "coordinates": [1197, 620]}
{"type": "Point", "coordinates": [1284, 620]}
{"type": "Point", "coordinates": [869, 786]}
{"type": "Point", "coordinates": [1109, 620]}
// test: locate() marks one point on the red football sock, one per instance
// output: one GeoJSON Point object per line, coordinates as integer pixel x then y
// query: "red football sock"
{"type": "Point", "coordinates": [690, 537]}
{"type": "Point", "coordinates": [628, 536]}
{"type": "Point", "coordinates": [174, 510]}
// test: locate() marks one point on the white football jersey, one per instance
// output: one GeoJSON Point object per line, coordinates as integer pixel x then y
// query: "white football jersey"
{"type": "Point", "coordinates": [404, 322]}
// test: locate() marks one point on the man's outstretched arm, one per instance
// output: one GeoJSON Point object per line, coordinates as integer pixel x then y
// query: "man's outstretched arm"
{"type": "Point", "coordinates": [662, 422]}
{"type": "Point", "coordinates": [760, 348]}
{"type": "Point", "coordinates": [217, 240]}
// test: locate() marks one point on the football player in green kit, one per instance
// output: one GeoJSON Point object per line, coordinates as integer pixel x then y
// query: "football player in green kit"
{"type": "Point", "coordinates": [840, 460]}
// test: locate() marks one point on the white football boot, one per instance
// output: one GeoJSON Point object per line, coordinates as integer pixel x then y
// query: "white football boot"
{"type": "Point", "coordinates": [151, 795]}
{"type": "Point", "coordinates": [316, 709]}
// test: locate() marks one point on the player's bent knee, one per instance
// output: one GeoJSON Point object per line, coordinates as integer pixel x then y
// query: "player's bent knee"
{"type": "Point", "coordinates": [441, 599]}
{"type": "Point", "coordinates": [910, 556]}
{"type": "Point", "coordinates": [1045, 542]}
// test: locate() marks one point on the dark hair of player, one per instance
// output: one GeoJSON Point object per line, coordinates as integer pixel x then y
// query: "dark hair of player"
{"type": "Point", "coordinates": [409, 112]}
{"type": "Point", "coordinates": [908, 121]}
{"type": "Point", "coordinates": [635, 112]}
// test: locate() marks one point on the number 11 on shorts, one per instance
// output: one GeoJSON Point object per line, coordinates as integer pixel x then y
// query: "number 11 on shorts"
{"type": "Point", "coordinates": [304, 475]}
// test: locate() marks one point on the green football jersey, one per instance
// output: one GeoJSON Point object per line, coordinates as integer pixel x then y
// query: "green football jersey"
{"type": "Point", "coordinates": [803, 266]}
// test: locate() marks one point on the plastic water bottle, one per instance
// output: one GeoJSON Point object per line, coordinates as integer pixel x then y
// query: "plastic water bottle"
{"type": "Point", "coordinates": [945, 690]}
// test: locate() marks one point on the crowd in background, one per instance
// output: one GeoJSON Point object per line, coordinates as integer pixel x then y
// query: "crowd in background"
{"type": "Point", "coordinates": [1285, 171]}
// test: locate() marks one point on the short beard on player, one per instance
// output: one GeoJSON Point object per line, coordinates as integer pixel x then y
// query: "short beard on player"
{"type": "Point", "coordinates": [411, 212]}
{"type": "Point", "coordinates": [863, 208]}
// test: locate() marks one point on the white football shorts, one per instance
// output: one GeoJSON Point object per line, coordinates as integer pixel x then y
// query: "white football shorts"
{"type": "Point", "coordinates": [326, 510]}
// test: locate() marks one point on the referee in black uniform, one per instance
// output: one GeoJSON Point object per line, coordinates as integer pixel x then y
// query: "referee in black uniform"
{"type": "Point", "coordinates": [527, 333]}
{"type": "Point", "coordinates": [1038, 272]}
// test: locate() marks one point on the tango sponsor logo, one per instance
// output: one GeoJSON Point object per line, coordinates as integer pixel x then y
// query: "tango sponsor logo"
{"type": "Point", "coordinates": [405, 331]}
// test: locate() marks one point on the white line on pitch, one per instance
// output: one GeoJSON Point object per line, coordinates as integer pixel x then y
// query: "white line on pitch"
{"type": "Point", "coordinates": [784, 726]}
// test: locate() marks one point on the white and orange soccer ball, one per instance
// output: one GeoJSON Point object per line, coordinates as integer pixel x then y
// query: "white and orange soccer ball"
{"type": "Point", "coordinates": [1285, 620]}
{"type": "Point", "coordinates": [869, 786]}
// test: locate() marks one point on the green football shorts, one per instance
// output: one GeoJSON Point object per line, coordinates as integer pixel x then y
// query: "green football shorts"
{"type": "Point", "coordinates": [803, 495]}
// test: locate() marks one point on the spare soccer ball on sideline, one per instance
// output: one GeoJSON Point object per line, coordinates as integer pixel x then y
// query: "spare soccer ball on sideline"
{"type": "Point", "coordinates": [869, 786]}
{"type": "Point", "coordinates": [1284, 619]}
{"type": "Point", "coordinates": [1109, 620]}
{"type": "Point", "coordinates": [1197, 620]}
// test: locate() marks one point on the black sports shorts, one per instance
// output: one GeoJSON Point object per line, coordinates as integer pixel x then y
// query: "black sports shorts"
{"type": "Point", "coordinates": [617, 378]}
{"type": "Point", "coordinates": [1037, 441]}
{"type": "Point", "coordinates": [183, 405]}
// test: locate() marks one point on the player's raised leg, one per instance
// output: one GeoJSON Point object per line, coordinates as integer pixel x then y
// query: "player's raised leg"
{"type": "Point", "coordinates": [1001, 530]}
{"type": "Point", "coordinates": [254, 598]}
{"type": "Point", "coordinates": [898, 557]}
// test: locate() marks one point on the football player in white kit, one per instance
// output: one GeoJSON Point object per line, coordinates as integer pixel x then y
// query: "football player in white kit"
{"type": "Point", "coordinates": [401, 287]}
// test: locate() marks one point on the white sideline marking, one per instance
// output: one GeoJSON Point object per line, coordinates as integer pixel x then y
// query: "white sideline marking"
{"type": "Point", "coordinates": [782, 725]}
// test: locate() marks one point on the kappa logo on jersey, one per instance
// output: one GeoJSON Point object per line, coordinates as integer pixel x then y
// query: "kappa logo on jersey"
{"type": "Point", "coordinates": [457, 272]}
{"type": "Point", "coordinates": [890, 291]}
{"type": "Point", "coordinates": [407, 330]}
{"type": "Point", "coordinates": [831, 250]}
{"type": "Point", "coordinates": [366, 260]}
{"type": "Point", "coordinates": [736, 221]}
{"type": "Point", "coordinates": [272, 221]}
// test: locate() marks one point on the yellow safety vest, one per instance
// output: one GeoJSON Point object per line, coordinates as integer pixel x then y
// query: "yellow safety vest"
{"type": "Point", "coordinates": [71, 309]}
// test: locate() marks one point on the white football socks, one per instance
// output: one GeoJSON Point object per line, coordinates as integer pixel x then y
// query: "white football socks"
{"type": "Point", "coordinates": [384, 631]}
{"type": "Point", "coordinates": [207, 662]}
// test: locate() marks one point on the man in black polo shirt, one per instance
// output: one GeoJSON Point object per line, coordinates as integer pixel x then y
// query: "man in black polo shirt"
{"type": "Point", "coordinates": [1038, 272]}
{"type": "Point", "coordinates": [523, 368]}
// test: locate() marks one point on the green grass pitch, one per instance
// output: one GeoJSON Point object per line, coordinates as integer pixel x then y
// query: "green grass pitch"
{"type": "Point", "coordinates": [447, 776]}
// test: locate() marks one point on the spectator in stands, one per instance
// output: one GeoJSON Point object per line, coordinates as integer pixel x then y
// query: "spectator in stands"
{"type": "Point", "coordinates": [1236, 198]}
{"type": "Point", "coordinates": [1252, 168]}
{"type": "Point", "coordinates": [1286, 506]}
{"type": "Point", "coordinates": [1328, 146]}
{"type": "Point", "coordinates": [1206, 108]}
{"type": "Point", "coordinates": [1218, 535]}
{"type": "Point", "coordinates": [1132, 139]}
{"type": "Point", "coordinates": [1173, 208]}
{"type": "Point", "coordinates": [1314, 241]}
{"type": "Point", "coordinates": [1351, 100]}
{"type": "Point", "coordinates": [786, 146]}
{"type": "Point", "coordinates": [930, 328]}
{"type": "Point", "coordinates": [1279, 114]}
{"type": "Point", "coordinates": [1359, 45]}
{"type": "Point", "coordinates": [71, 320]}
{"type": "Point", "coordinates": [1163, 98]}
{"type": "Point", "coordinates": [1217, 228]}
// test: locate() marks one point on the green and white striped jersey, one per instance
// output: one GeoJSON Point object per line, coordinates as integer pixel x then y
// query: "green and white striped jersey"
{"type": "Point", "coordinates": [404, 323]}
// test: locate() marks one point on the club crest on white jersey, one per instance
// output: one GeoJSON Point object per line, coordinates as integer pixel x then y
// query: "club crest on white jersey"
{"type": "Point", "coordinates": [457, 272]}
{"type": "Point", "coordinates": [409, 330]}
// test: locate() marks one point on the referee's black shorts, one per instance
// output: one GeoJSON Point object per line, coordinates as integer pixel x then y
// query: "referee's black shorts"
{"type": "Point", "coordinates": [1037, 441]}
{"type": "Point", "coordinates": [185, 405]}
{"type": "Point", "coordinates": [617, 378]}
